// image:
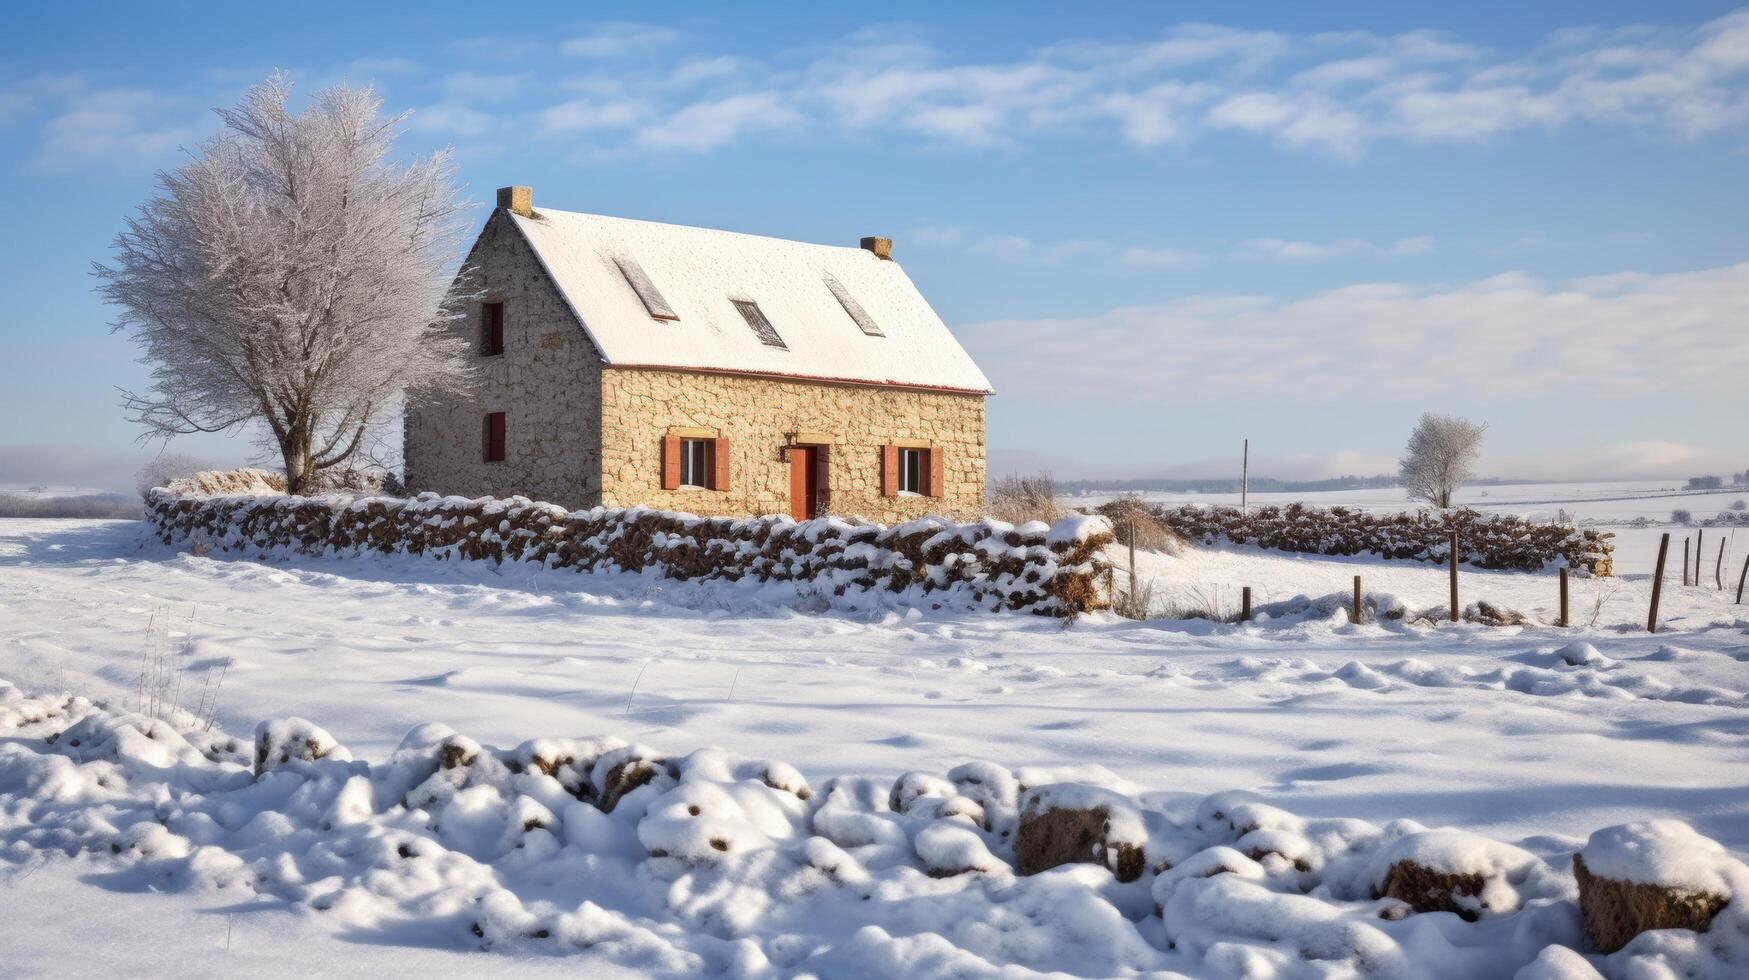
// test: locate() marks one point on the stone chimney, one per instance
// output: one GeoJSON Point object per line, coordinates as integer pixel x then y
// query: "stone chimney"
{"type": "Point", "coordinates": [519, 200]}
{"type": "Point", "coordinates": [881, 247]}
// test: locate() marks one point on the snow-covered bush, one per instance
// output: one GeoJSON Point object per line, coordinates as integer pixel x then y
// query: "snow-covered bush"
{"type": "Point", "coordinates": [1051, 569]}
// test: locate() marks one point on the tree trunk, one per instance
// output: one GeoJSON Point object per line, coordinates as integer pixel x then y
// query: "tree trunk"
{"type": "Point", "coordinates": [295, 450]}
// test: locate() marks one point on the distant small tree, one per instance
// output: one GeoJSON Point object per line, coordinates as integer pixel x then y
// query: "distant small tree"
{"type": "Point", "coordinates": [1440, 458]}
{"type": "Point", "coordinates": [292, 276]}
{"type": "Point", "coordinates": [1681, 517]}
{"type": "Point", "coordinates": [167, 466]}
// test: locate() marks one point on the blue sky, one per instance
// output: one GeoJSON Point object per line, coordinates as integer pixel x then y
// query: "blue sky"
{"type": "Point", "coordinates": [1160, 228]}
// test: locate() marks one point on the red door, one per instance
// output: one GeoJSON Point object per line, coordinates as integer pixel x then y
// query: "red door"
{"type": "Point", "coordinates": [804, 482]}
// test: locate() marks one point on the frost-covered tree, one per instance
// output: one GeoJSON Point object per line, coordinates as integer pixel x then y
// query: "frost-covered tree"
{"type": "Point", "coordinates": [1440, 457]}
{"type": "Point", "coordinates": [292, 275]}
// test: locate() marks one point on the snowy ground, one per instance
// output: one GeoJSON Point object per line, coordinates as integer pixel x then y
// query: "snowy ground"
{"type": "Point", "coordinates": [1475, 727]}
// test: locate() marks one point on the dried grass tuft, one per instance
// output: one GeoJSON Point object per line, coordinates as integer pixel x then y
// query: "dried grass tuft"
{"type": "Point", "coordinates": [1019, 498]}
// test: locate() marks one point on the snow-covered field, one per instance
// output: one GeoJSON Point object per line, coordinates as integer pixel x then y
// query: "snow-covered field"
{"type": "Point", "coordinates": [1486, 729]}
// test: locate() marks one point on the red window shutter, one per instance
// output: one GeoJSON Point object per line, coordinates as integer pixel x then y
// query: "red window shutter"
{"type": "Point", "coordinates": [491, 328]}
{"type": "Point", "coordinates": [670, 462]}
{"type": "Point", "coordinates": [494, 437]}
{"type": "Point", "coordinates": [932, 463]}
{"type": "Point", "coordinates": [720, 463]}
{"type": "Point", "coordinates": [890, 470]}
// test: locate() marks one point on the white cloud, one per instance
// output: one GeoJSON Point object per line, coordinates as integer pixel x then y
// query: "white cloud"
{"type": "Point", "coordinates": [1282, 248]}
{"type": "Point", "coordinates": [116, 127]}
{"type": "Point", "coordinates": [617, 40]}
{"type": "Point", "coordinates": [446, 117]}
{"type": "Point", "coordinates": [1336, 94]}
{"type": "Point", "coordinates": [1510, 335]}
{"type": "Point", "coordinates": [584, 115]}
{"type": "Point", "coordinates": [708, 125]}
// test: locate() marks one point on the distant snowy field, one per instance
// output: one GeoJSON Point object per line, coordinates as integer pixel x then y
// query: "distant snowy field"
{"type": "Point", "coordinates": [1479, 728]}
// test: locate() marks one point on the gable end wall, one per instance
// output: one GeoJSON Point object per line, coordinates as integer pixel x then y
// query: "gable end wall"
{"type": "Point", "coordinates": [547, 382]}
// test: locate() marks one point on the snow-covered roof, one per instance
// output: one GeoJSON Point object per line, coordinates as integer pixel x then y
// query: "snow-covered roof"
{"type": "Point", "coordinates": [706, 277]}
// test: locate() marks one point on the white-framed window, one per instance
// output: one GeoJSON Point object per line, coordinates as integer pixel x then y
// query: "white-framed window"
{"type": "Point", "coordinates": [695, 464]}
{"type": "Point", "coordinates": [914, 471]}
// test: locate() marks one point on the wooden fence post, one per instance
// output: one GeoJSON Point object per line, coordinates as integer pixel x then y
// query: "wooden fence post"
{"type": "Point", "coordinates": [1658, 582]}
{"type": "Point", "coordinates": [1719, 568]}
{"type": "Point", "coordinates": [1454, 563]}
{"type": "Point", "coordinates": [1132, 553]}
{"type": "Point", "coordinates": [1741, 579]}
{"type": "Point", "coordinates": [1359, 616]}
{"type": "Point", "coordinates": [1699, 553]}
{"type": "Point", "coordinates": [1564, 620]}
{"type": "Point", "coordinates": [1684, 561]}
{"type": "Point", "coordinates": [1245, 604]}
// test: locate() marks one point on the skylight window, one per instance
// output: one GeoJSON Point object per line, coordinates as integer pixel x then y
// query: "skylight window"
{"type": "Point", "coordinates": [645, 289]}
{"type": "Point", "coordinates": [755, 318]}
{"type": "Point", "coordinates": [851, 306]}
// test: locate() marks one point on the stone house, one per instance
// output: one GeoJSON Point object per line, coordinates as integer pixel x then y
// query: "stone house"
{"type": "Point", "coordinates": [627, 362]}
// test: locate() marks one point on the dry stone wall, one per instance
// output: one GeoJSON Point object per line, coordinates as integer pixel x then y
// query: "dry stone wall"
{"type": "Point", "coordinates": [1498, 541]}
{"type": "Point", "coordinates": [930, 562]}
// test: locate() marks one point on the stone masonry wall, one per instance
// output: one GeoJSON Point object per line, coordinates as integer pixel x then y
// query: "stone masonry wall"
{"type": "Point", "coordinates": [760, 415]}
{"type": "Point", "coordinates": [547, 382]}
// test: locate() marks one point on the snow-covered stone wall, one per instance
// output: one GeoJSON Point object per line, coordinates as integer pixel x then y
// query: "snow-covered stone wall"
{"type": "Point", "coordinates": [931, 562]}
{"type": "Point", "coordinates": [1500, 541]}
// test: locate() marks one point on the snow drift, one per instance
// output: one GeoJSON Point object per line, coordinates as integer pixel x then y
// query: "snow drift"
{"type": "Point", "coordinates": [623, 854]}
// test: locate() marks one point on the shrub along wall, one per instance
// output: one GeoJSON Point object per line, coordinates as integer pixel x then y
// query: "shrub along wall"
{"type": "Point", "coordinates": [1499, 541]}
{"type": "Point", "coordinates": [1047, 569]}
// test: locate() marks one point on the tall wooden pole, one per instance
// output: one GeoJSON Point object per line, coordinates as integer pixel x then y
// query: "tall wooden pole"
{"type": "Point", "coordinates": [1245, 478]}
{"type": "Point", "coordinates": [1658, 583]}
{"type": "Point", "coordinates": [1245, 604]}
{"type": "Point", "coordinates": [1358, 615]}
{"type": "Point", "coordinates": [1741, 579]}
{"type": "Point", "coordinates": [1699, 553]}
{"type": "Point", "coordinates": [1719, 568]}
{"type": "Point", "coordinates": [1684, 561]}
{"type": "Point", "coordinates": [1564, 620]}
{"type": "Point", "coordinates": [1454, 563]}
